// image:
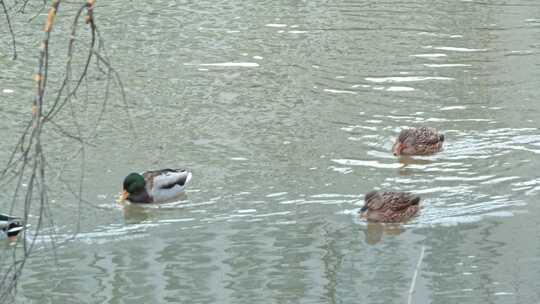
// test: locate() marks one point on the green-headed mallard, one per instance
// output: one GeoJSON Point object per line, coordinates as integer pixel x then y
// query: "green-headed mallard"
{"type": "Point", "coordinates": [389, 207]}
{"type": "Point", "coordinates": [418, 141]}
{"type": "Point", "coordinates": [10, 226]}
{"type": "Point", "coordinates": [155, 186]}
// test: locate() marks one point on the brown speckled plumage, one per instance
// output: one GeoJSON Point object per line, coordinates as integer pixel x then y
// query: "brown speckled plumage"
{"type": "Point", "coordinates": [389, 207]}
{"type": "Point", "coordinates": [418, 141]}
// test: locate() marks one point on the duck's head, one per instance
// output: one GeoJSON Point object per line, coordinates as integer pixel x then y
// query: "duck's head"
{"type": "Point", "coordinates": [363, 210]}
{"type": "Point", "coordinates": [133, 183]}
{"type": "Point", "coordinates": [405, 141]}
{"type": "Point", "coordinates": [372, 201]}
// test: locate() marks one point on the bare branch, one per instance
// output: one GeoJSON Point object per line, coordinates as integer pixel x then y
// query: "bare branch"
{"type": "Point", "coordinates": [28, 168]}
{"type": "Point", "coordinates": [8, 20]}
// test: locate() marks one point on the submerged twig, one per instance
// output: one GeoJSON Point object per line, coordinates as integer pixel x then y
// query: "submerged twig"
{"type": "Point", "coordinates": [415, 275]}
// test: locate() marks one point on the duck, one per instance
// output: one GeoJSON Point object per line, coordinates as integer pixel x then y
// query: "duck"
{"type": "Point", "coordinates": [389, 207]}
{"type": "Point", "coordinates": [155, 186]}
{"type": "Point", "coordinates": [10, 226]}
{"type": "Point", "coordinates": [418, 141]}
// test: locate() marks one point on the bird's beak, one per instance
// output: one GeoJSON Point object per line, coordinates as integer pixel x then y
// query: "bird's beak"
{"type": "Point", "coordinates": [124, 196]}
{"type": "Point", "coordinates": [363, 211]}
{"type": "Point", "coordinates": [400, 147]}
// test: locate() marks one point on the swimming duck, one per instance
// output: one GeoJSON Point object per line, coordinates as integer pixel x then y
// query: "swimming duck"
{"type": "Point", "coordinates": [155, 186]}
{"type": "Point", "coordinates": [389, 207]}
{"type": "Point", "coordinates": [418, 141]}
{"type": "Point", "coordinates": [10, 226]}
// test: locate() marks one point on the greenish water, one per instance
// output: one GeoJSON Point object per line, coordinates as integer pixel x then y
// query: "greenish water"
{"type": "Point", "coordinates": [286, 112]}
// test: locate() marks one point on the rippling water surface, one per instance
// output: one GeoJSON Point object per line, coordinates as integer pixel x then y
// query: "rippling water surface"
{"type": "Point", "coordinates": [286, 112]}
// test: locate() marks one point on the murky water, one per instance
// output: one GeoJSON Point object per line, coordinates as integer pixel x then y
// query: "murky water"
{"type": "Point", "coordinates": [286, 111]}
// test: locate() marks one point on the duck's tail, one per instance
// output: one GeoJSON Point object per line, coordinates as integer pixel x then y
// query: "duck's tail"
{"type": "Point", "coordinates": [188, 177]}
{"type": "Point", "coordinates": [14, 229]}
{"type": "Point", "coordinates": [11, 225]}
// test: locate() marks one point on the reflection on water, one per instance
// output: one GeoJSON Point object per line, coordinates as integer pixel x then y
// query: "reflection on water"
{"type": "Point", "coordinates": [375, 232]}
{"type": "Point", "coordinates": [137, 213]}
{"type": "Point", "coordinates": [286, 112]}
{"type": "Point", "coordinates": [407, 160]}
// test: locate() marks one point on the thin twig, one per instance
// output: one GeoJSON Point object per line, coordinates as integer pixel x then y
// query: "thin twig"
{"type": "Point", "coordinates": [8, 20]}
{"type": "Point", "coordinates": [415, 275]}
{"type": "Point", "coordinates": [27, 166]}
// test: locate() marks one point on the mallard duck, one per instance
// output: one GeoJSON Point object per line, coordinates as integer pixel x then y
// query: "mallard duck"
{"type": "Point", "coordinates": [10, 226]}
{"type": "Point", "coordinates": [155, 186]}
{"type": "Point", "coordinates": [418, 141]}
{"type": "Point", "coordinates": [389, 207]}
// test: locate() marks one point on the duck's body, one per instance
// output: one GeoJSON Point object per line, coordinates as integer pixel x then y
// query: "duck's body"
{"type": "Point", "coordinates": [10, 226]}
{"type": "Point", "coordinates": [155, 186]}
{"type": "Point", "coordinates": [418, 141]}
{"type": "Point", "coordinates": [389, 207]}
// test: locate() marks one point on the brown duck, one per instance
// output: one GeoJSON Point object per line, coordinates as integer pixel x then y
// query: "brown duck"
{"type": "Point", "coordinates": [418, 141]}
{"type": "Point", "coordinates": [389, 207]}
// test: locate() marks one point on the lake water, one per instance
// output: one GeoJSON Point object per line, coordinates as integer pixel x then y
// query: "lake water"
{"type": "Point", "coordinates": [286, 112]}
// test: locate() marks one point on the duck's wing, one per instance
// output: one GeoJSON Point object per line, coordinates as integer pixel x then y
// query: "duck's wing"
{"type": "Point", "coordinates": [397, 201]}
{"type": "Point", "coordinates": [8, 218]}
{"type": "Point", "coordinates": [166, 178]}
{"type": "Point", "coordinates": [428, 136]}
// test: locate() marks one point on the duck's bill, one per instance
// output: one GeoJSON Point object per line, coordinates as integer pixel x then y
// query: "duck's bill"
{"type": "Point", "coordinates": [397, 151]}
{"type": "Point", "coordinates": [123, 196]}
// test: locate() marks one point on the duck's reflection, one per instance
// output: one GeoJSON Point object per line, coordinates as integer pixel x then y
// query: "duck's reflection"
{"type": "Point", "coordinates": [135, 213]}
{"type": "Point", "coordinates": [407, 160]}
{"type": "Point", "coordinates": [375, 231]}
{"type": "Point", "coordinates": [138, 213]}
